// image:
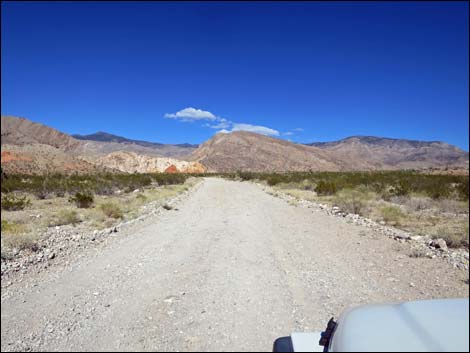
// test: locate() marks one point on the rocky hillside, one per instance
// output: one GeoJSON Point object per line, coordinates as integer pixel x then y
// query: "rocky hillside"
{"type": "Point", "coordinates": [29, 147]}
{"type": "Point", "coordinates": [102, 143]}
{"type": "Point", "coordinates": [252, 152]}
{"type": "Point", "coordinates": [21, 131]}
{"type": "Point", "coordinates": [133, 163]}
{"type": "Point", "coordinates": [248, 151]}
{"type": "Point", "coordinates": [369, 152]}
{"type": "Point", "coordinates": [41, 159]}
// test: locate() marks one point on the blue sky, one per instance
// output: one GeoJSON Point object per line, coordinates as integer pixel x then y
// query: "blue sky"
{"type": "Point", "coordinates": [179, 72]}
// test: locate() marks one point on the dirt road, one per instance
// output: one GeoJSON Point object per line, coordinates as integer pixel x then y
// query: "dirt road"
{"type": "Point", "coordinates": [232, 269]}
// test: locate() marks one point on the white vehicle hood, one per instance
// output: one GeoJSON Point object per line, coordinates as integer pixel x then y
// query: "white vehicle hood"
{"type": "Point", "coordinates": [433, 325]}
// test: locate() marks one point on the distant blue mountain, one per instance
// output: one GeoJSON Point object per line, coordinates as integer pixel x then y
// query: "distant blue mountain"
{"type": "Point", "coordinates": [106, 137]}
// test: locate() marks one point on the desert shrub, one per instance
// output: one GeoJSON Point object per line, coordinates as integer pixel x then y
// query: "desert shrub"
{"type": "Point", "coordinates": [11, 202]}
{"type": "Point", "coordinates": [20, 242]}
{"type": "Point", "coordinates": [141, 197]}
{"type": "Point", "coordinates": [351, 201]}
{"type": "Point", "coordinates": [307, 185]}
{"type": "Point", "coordinates": [60, 193]}
{"type": "Point", "coordinates": [6, 255]}
{"type": "Point", "coordinates": [82, 200]}
{"type": "Point", "coordinates": [392, 214]}
{"type": "Point", "coordinates": [245, 175]}
{"type": "Point", "coordinates": [325, 188]}
{"type": "Point", "coordinates": [462, 191]}
{"type": "Point", "coordinates": [418, 252]}
{"type": "Point", "coordinates": [452, 206]}
{"type": "Point", "coordinates": [164, 179]}
{"type": "Point", "coordinates": [274, 179]}
{"type": "Point", "coordinates": [12, 227]}
{"type": "Point", "coordinates": [439, 190]}
{"type": "Point", "coordinates": [454, 237]}
{"type": "Point", "coordinates": [112, 210]}
{"type": "Point", "coordinates": [65, 217]}
{"type": "Point", "coordinates": [414, 203]}
{"type": "Point", "coordinates": [41, 194]}
{"type": "Point", "coordinates": [100, 184]}
{"type": "Point", "coordinates": [402, 188]}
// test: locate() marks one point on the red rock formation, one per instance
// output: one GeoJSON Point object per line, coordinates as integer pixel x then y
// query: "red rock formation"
{"type": "Point", "coordinates": [171, 169]}
{"type": "Point", "coordinates": [7, 156]}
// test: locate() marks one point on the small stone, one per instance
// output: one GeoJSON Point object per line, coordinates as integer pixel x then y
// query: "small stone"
{"type": "Point", "coordinates": [402, 235]}
{"type": "Point", "coordinates": [51, 255]}
{"type": "Point", "coordinates": [416, 237]}
{"type": "Point", "coordinates": [439, 244]}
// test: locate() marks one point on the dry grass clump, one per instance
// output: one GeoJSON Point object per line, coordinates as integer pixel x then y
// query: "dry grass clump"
{"type": "Point", "coordinates": [353, 200]}
{"type": "Point", "coordinates": [454, 236]}
{"type": "Point", "coordinates": [301, 194]}
{"type": "Point", "coordinates": [392, 214]}
{"type": "Point", "coordinates": [20, 242]}
{"type": "Point", "coordinates": [12, 227]}
{"type": "Point", "coordinates": [418, 253]}
{"type": "Point", "coordinates": [64, 217]}
{"type": "Point", "coordinates": [14, 236]}
{"type": "Point", "coordinates": [112, 210]}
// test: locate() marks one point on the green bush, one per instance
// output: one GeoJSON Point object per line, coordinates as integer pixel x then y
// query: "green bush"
{"type": "Point", "coordinates": [112, 210]}
{"type": "Point", "coordinates": [14, 203]}
{"type": "Point", "coordinates": [245, 175]}
{"type": "Point", "coordinates": [274, 180]}
{"type": "Point", "coordinates": [100, 184]}
{"type": "Point", "coordinates": [82, 200]}
{"type": "Point", "coordinates": [325, 188]}
{"type": "Point", "coordinates": [462, 191]}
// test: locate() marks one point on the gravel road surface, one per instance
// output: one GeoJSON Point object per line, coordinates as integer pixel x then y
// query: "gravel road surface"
{"type": "Point", "coordinates": [230, 269]}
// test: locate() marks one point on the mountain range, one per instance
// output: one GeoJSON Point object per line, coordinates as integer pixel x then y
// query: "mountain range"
{"type": "Point", "coordinates": [30, 147]}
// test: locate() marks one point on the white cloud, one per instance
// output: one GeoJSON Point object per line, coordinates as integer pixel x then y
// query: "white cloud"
{"type": "Point", "coordinates": [223, 124]}
{"type": "Point", "coordinates": [288, 133]}
{"type": "Point", "coordinates": [255, 128]}
{"type": "Point", "coordinates": [191, 114]}
{"type": "Point", "coordinates": [223, 131]}
{"type": "Point", "coordinates": [217, 122]}
{"type": "Point", "coordinates": [298, 129]}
